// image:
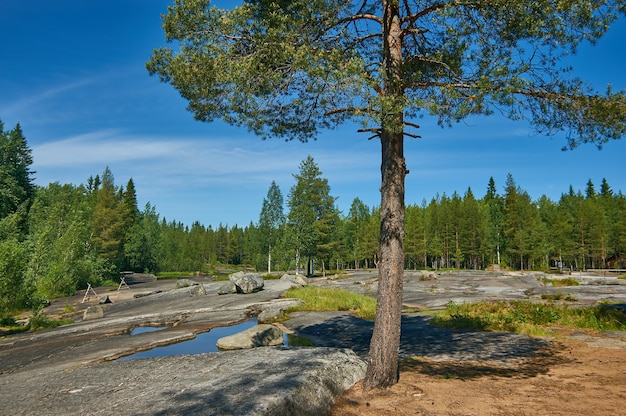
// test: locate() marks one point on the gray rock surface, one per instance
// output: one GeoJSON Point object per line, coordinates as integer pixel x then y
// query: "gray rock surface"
{"type": "Point", "coordinates": [247, 282]}
{"type": "Point", "coordinates": [93, 312]}
{"type": "Point", "coordinates": [263, 381]}
{"type": "Point", "coordinates": [67, 370]}
{"type": "Point", "coordinates": [263, 335]}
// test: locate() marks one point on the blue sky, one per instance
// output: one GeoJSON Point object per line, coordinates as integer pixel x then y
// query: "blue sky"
{"type": "Point", "coordinates": [72, 73]}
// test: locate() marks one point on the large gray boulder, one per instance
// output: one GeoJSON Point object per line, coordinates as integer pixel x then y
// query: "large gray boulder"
{"type": "Point", "coordinates": [263, 335]}
{"type": "Point", "coordinates": [227, 288]}
{"type": "Point", "coordinates": [259, 382]}
{"type": "Point", "coordinates": [247, 282]}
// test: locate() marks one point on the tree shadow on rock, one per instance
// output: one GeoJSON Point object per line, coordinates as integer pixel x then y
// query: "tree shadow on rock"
{"type": "Point", "coordinates": [276, 381]}
{"type": "Point", "coordinates": [445, 351]}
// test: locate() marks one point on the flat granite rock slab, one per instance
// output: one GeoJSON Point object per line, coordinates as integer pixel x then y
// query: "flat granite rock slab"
{"type": "Point", "coordinates": [261, 381]}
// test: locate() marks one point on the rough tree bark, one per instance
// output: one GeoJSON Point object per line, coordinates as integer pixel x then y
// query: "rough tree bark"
{"type": "Point", "coordinates": [382, 370]}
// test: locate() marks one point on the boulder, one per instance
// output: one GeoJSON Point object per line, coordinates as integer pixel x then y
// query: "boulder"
{"type": "Point", "coordinates": [247, 282]}
{"type": "Point", "coordinates": [227, 288]}
{"type": "Point", "coordinates": [184, 283]}
{"type": "Point", "coordinates": [197, 290]}
{"type": "Point", "coordinates": [273, 311]}
{"type": "Point", "coordinates": [104, 299]}
{"type": "Point", "coordinates": [263, 335]}
{"type": "Point", "coordinates": [296, 279]}
{"type": "Point", "coordinates": [270, 315]}
{"type": "Point", "coordinates": [93, 312]}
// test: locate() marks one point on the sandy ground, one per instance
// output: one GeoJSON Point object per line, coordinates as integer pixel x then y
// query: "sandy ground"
{"type": "Point", "coordinates": [571, 377]}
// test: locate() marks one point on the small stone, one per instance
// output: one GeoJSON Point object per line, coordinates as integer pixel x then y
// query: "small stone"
{"type": "Point", "coordinates": [104, 299]}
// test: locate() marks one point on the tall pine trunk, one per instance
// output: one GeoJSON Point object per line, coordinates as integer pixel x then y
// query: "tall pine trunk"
{"type": "Point", "coordinates": [382, 370]}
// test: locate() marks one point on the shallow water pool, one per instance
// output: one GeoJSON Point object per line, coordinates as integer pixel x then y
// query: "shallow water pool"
{"type": "Point", "coordinates": [204, 342]}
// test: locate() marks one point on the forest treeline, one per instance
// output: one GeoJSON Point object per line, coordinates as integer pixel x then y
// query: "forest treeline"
{"type": "Point", "coordinates": [58, 238]}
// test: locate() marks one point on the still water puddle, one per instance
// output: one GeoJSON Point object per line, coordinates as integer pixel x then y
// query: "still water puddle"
{"type": "Point", "coordinates": [204, 342]}
{"type": "Point", "coordinates": [144, 329]}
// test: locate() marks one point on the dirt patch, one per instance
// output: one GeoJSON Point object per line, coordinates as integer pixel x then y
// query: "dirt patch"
{"type": "Point", "coordinates": [570, 377]}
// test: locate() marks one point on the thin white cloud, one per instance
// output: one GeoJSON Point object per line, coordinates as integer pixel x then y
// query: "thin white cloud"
{"type": "Point", "coordinates": [101, 147]}
{"type": "Point", "coordinates": [25, 104]}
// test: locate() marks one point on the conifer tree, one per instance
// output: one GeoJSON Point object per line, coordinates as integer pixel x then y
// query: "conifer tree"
{"type": "Point", "coordinates": [16, 182]}
{"type": "Point", "coordinates": [311, 212]}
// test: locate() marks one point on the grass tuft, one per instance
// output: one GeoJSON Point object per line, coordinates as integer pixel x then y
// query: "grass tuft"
{"type": "Point", "coordinates": [321, 299]}
{"type": "Point", "coordinates": [39, 320]}
{"type": "Point", "coordinates": [568, 281]}
{"type": "Point", "coordinates": [529, 318]}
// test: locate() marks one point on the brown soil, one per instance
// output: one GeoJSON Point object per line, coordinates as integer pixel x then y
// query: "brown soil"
{"type": "Point", "coordinates": [569, 378]}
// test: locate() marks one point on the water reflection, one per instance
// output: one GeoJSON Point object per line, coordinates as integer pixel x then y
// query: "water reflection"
{"type": "Point", "coordinates": [205, 342]}
{"type": "Point", "coordinates": [145, 329]}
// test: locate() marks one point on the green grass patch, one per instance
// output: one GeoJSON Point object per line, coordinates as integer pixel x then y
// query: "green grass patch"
{"type": "Point", "coordinates": [174, 275]}
{"type": "Point", "coordinates": [568, 281]}
{"type": "Point", "coordinates": [41, 321]}
{"type": "Point", "coordinates": [529, 318]}
{"type": "Point", "coordinates": [559, 296]}
{"type": "Point", "coordinates": [320, 299]}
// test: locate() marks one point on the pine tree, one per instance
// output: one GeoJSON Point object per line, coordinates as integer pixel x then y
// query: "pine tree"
{"type": "Point", "coordinates": [291, 68]}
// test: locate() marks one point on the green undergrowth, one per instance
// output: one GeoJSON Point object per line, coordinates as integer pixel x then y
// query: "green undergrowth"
{"type": "Point", "coordinates": [39, 320]}
{"type": "Point", "coordinates": [320, 299]}
{"type": "Point", "coordinates": [529, 318]}
{"type": "Point", "coordinates": [36, 321]}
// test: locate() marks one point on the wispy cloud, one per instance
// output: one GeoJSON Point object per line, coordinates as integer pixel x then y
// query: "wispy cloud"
{"type": "Point", "coordinates": [27, 102]}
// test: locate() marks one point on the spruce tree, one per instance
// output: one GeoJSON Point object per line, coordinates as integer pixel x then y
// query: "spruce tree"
{"type": "Point", "coordinates": [312, 213]}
